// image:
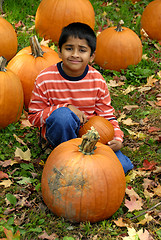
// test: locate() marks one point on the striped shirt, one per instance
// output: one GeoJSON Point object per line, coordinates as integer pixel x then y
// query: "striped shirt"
{"type": "Point", "coordinates": [54, 89]}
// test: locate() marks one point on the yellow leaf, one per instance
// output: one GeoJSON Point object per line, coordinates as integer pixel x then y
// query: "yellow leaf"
{"type": "Point", "coordinates": [23, 155]}
{"type": "Point", "coordinates": [6, 183]}
{"type": "Point", "coordinates": [129, 89]}
{"type": "Point", "coordinates": [147, 219]}
{"type": "Point", "coordinates": [131, 176]}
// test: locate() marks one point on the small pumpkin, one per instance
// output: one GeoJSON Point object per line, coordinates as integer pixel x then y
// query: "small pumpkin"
{"type": "Point", "coordinates": [151, 20]}
{"type": "Point", "coordinates": [117, 48]}
{"type": "Point", "coordinates": [11, 96]}
{"type": "Point", "coordinates": [29, 62]}
{"type": "Point", "coordinates": [52, 16]}
{"type": "Point", "coordinates": [8, 39]}
{"type": "Point", "coordinates": [103, 127]}
{"type": "Point", "coordinates": [83, 180]}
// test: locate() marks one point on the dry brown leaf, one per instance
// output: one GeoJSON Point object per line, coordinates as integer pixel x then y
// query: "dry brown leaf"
{"type": "Point", "coordinates": [157, 190]}
{"type": "Point", "coordinates": [129, 122]}
{"type": "Point", "coordinates": [130, 107]}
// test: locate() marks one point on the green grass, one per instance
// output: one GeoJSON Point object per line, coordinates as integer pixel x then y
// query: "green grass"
{"type": "Point", "coordinates": [32, 217]}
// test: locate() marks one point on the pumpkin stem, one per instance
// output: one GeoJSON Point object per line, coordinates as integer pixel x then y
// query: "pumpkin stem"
{"type": "Point", "coordinates": [89, 141]}
{"type": "Point", "coordinates": [3, 62]}
{"type": "Point", "coordinates": [119, 28]}
{"type": "Point", "coordinates": [35, 47]}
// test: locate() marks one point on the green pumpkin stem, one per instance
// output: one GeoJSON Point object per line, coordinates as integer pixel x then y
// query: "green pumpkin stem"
{"type": "Point", "coordinates": [89, 141]}
{"type": "Point", "coordinates": [35, 47]}
{"type": "Point", "coordinates": [119, 28]}
{"type": "Point", "coordinates": [3, 62]}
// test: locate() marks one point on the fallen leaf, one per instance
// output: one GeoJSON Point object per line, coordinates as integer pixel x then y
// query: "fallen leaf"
{"type": "Point", "coordinates": [151, 80]}
{"type": "Point", "coordinates": [3, 175]}
{"type": "Point", "coordinates": [153, 129]}
{"type": "Point", "coordinates": [122, 116]}
{"type": "Point", "coordinates": [129, 89]}
{"type": "Point", "coordinates": [6, 183]}
{"type": "Point", "coordinates": [46, 236]}
{"type": "Point", "coordinates": [147, 218]}
{"type": "Point", "coordinates": [23, 155]}
{"type": "Point", "coordinates": [7, 163]}
{"type": "Point", "coordinates": [45, 42]}
{"type": "Point", "coordinates": [131, 176]}
{"type": "Point", "coordinates": [148, 194]}
{"type": "Point", "coordinates": [120, 222]}
{"type": "Point", "coordinates": [130, 107]}
{"type": "Point", "coordinates": [25, 123]}
{"type": "Point", "coordinates": [19, 139]}
{"type": "Point", "coordinates": [158, 103]}
{"type": "Point", "coordinates": [157, 190]}
{"type": "Point", "coordinates": [144, 89]}
{"type": "Point", "coordinates": [113, 83]}
{"type": "Point", "coordinates": [129, 122]}
{"type": "Point", "coordinates": [10, 236]}
{"type": "Point", "coordinates": [144, 235]}
{"type": "Point", "coordinates": [148, 165]}
{"type": "Point", "coordinates": [131, 193]}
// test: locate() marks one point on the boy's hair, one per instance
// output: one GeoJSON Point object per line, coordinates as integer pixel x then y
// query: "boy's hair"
{"type": "Point", "coordinates": [78, 30]}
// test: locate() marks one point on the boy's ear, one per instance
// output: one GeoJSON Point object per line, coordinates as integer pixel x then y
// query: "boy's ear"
{"type": "Point", "coordinates": [92, 57]}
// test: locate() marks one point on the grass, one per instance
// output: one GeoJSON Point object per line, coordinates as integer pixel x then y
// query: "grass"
{"type": "Point", "coordinates": [21, 204]}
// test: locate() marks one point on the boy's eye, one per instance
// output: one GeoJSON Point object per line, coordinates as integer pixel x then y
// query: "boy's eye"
{"type": "Point", "coordinates": [82, 50]}
{"type": "Point", "coordinates": [68, 48]}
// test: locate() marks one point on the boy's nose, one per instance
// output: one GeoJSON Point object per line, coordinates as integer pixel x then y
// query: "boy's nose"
{"type": "Point", "coordinates": [75, 53]}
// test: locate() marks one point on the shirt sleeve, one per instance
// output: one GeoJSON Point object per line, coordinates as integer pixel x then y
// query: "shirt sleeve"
{"type": "Point", "coordinates": [40, 108]}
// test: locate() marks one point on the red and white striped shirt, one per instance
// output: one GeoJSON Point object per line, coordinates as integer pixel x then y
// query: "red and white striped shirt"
{"type": "Point", "coordinates": [54, 89]}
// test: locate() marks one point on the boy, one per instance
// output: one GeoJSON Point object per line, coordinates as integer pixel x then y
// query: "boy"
{"type": "Point", "coordinates": [68, 93]}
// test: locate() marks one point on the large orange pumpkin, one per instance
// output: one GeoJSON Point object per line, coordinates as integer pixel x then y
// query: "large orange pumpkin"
{"type": "Point", "coordinates": [117, 48]}
{"type": "Point", "coordinates": [83, 180]}
{"type": "Point", "coordinates": [29, 62]}
{"type": "Point", "coordinates": [8, 39]}
{"type": "Point", "coordinates": [53, 15]}
{"type": "Point", "coordinates": [103, 127]}
{"type": "Point", "coordinates": [11, 96]}
{"type": "Point", "coordinates": [151, 20]}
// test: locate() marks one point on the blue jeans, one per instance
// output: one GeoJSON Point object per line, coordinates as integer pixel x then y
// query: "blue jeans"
{"type": "Point", "coordinates": [63, 125]}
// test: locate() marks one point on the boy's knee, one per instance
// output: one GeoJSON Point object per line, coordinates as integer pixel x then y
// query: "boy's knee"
{"type": "Point", "coordinates": [62, 117]}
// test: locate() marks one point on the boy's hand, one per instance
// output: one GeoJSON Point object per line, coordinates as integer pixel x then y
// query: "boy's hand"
{"type": "Point", "coordinates": [115, 145]}
{"type": "Point", "coordinates": [81, 115]}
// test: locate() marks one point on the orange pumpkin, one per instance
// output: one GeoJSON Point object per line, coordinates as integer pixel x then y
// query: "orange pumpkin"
{"type": "Point", "coordinates": [117, 48]}
{"type": "Point", "coordinates": [83, 180]}
{"type": "Point", "coordinates": [11, 96]}
{"type": "Point", "coordinates": [29, 62]}
{"type": "Point", "coordinates": [151, 20]}
{"type": "Point", "coordinates": [103, 127]}
{"type": "Point", "coordinates": [52, 16]}
{"type": "Point", "coordinates": [8, 39]}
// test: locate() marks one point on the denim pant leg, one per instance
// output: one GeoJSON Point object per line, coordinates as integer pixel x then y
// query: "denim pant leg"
{"type": "Point", "coordinates": [62, 125]}
{"type": "Point", "coordinates": [125, 161]}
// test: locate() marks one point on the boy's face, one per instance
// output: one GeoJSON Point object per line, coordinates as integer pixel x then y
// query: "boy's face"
{"type": "Point", "coordinates": [75, 54]}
